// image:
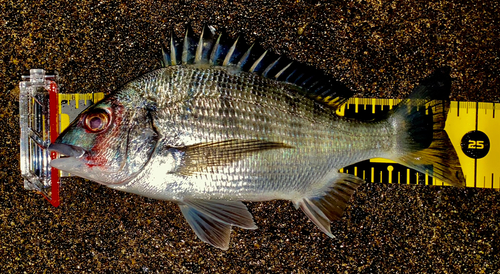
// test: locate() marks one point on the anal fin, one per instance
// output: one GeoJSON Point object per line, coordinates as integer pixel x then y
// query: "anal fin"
{"type": "Point", "coordinates": [330, 206]}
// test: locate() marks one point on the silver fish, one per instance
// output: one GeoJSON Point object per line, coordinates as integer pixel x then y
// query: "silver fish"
{"type": "Point", "coordinates": [223, 123]}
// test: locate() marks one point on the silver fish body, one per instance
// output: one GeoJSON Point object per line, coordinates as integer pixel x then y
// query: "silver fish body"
{"type": "Point", "coordinates": [208, 135]}
{"type": "Point", "coordinates": [203, 106]}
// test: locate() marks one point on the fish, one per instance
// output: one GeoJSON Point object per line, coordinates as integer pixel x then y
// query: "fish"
{"type": "Point", "coordinates": [222, 123]}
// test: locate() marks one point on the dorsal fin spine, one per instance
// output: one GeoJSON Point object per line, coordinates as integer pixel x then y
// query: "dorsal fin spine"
{"type": "Point", "coordinates": [290, 75]}
{"type": "Point", "coordinates": [252, 69]}
{"type": "Point", "coordinates": [173, 55]}
{"type": "Point", "coordinates": [185, 48]}
{"type": "Point", "coordinates": [283, 70]}
{"type": "Point", "coordinates": [230, 53]}
{"type": "Point", "coordinates": [199, 48]}
{"type": "Point", "coordinates": [325, 92]}
{"type": "Point", "coordinates": [311, 87]}
{"type": "Point", "coordinates": [271, 66]}
{"type": "Point", "coordinates": [166, 57]}
{"type": "Point", "coordinates": [298, 78]}
{"type": "Point", "coordinates": [307, 80]}
{"type": "Point", "coordinates": [215, 49]}
{"type": "Point", "coordinates": [245, 57]}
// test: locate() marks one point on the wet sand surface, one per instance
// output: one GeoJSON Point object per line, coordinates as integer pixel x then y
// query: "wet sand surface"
{"type": "Point", "coordinates": [379, 49]}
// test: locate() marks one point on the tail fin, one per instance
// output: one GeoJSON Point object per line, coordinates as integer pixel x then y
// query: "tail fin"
{"type": "Point", "coordinates": [423, 143]}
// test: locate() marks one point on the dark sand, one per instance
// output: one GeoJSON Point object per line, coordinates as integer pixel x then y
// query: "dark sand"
{"type": "Point", "coordinates": [380, 50]}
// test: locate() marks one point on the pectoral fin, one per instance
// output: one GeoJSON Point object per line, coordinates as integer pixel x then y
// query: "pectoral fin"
{"type": "Point", "coordinates": [199, 157]}
{"type": "Point", "coordinates": [330, 206]}
{"type": "Point", "coordinates": [211, 220]}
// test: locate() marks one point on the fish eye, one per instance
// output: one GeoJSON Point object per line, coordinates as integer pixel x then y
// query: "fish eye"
{"type": "Point", "coordinates": [97, 120]}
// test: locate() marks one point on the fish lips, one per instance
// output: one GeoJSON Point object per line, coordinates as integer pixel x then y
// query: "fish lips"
{"type": "Point", "coordinates": [72, 162]}
{"type": "Point", "coordinates": [68, 150]}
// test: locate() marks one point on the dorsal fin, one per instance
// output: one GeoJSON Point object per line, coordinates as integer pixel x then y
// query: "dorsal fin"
{"type": "Point", "coordinates": [221, 51]}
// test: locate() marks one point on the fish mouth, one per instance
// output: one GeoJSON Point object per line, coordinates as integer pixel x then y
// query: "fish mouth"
{"type": "Point", "coordinates": [67, 150]}
{"type": "Point", "coordinates": [73, 160]}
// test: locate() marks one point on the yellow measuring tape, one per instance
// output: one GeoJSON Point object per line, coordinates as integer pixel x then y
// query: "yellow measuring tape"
{"type": "Point", "coordinates": [474, 130]}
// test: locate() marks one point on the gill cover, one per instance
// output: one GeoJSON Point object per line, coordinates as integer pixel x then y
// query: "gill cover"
{"type": "Point", "coordinates": [110, 142]}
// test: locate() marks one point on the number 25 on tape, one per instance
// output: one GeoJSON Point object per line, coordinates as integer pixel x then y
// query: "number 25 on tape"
{"type": "Point", "coordinates": [473, 144]}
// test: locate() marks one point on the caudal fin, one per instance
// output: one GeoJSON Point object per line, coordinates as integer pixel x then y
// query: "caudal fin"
{"type": "Point", "coordinates": [423, 144]}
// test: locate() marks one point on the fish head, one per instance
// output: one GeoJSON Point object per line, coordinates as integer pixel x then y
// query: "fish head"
{"type": "Point", "coordinates": [109, 143]}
